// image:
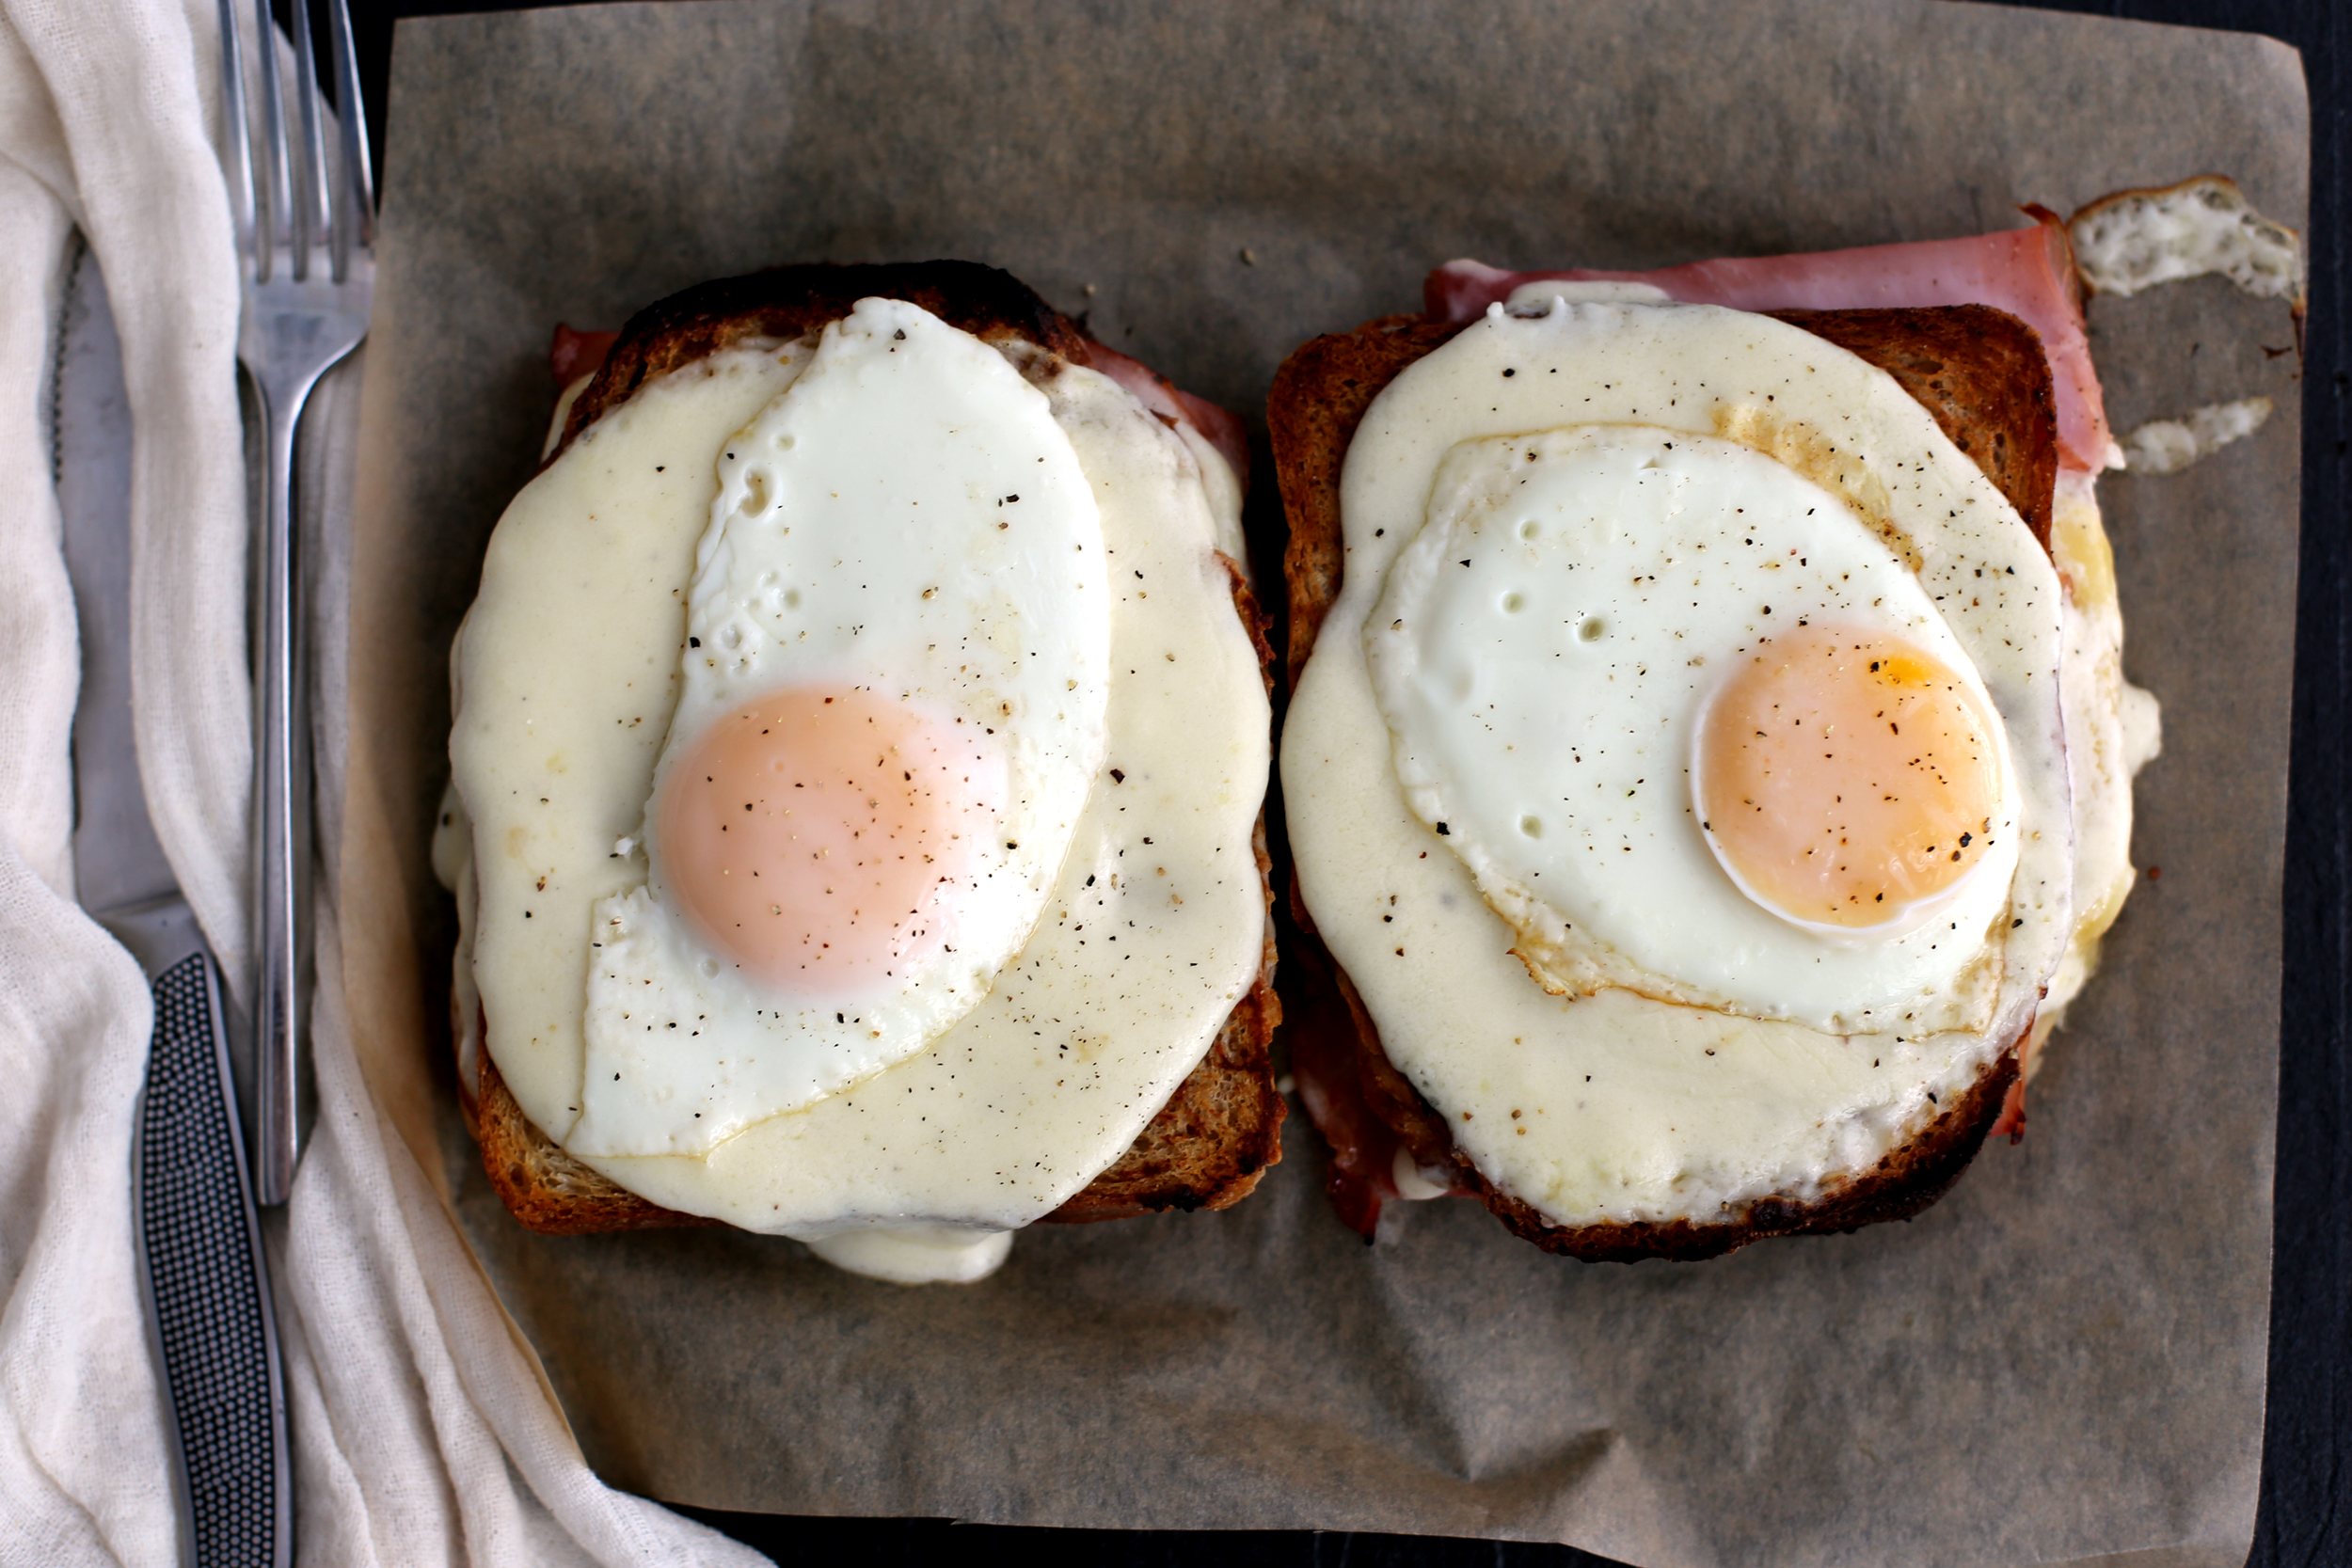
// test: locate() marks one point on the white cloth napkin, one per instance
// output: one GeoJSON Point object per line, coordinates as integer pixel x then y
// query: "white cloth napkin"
{"type": "Point", "coordinates": [423, 1434]}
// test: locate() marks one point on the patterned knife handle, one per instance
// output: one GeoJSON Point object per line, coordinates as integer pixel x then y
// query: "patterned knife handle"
{"type": "Point", "coordinates": [217, 1335]}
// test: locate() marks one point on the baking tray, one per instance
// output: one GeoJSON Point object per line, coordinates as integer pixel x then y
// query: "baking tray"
{"type": "Point", "coordinates": [2064, 1359]}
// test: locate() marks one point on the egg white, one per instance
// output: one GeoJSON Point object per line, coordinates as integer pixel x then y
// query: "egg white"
{"type": "Point", "coordinates": [907, 518]}
{"type": "Point", "coordinates": [1544, 650]}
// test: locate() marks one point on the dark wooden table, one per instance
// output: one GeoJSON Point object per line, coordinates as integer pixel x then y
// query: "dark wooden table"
{"type": "Point", "coordinates": [2305, 1510]}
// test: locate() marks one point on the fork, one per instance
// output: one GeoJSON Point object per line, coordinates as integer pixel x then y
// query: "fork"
{"type": "Point", "coordinates": [306, 237]}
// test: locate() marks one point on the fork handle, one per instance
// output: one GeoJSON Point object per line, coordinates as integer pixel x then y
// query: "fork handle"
{"type": "Point", "coordinates": [281, 801]}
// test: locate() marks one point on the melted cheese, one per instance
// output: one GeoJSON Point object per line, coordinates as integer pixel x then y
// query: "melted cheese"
{"type": "Point", "coordinates": [2112, 731]}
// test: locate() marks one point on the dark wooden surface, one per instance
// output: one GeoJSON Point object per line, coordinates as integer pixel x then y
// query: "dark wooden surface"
{"type": "Point", "coordinates": [2304, 1514]}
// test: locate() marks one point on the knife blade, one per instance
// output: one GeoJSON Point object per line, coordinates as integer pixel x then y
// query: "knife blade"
{"type": "Point", "coordinates": [199, 1239]}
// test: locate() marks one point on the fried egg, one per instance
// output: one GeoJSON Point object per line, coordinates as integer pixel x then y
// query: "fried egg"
{"type": "Point", "coordinates": [1691, 723]}
{"type": "Point", "coordinates": [1677, 651]}
{"type": "Point", "coordinates": [890, 713]}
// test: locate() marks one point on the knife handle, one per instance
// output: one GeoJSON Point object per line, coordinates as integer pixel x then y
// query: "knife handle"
{"type": "Point", "coordinates": [209, 1284]}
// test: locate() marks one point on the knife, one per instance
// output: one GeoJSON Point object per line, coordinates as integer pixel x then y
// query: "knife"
{"type": "Point", "coordinates": [206, 1281]}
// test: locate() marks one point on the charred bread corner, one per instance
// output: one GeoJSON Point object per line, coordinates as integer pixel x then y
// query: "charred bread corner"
{"type": "Point", "coordinates": [1626, 912]}
{"type": "Point", "coordinates": [859, 742]}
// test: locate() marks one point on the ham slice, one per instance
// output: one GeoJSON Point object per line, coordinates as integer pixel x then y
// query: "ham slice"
{"type": "Point", "coordinates": [1362, 1179]}
{"type": "Point", "coordinates": [574, 354]}
{"type": "Point", "coordinates": [2028, 273]}
{"type": "Point", "coordinates": [1368, 1152]}
{"type": "Point", "coordinates": [2011, 1122]}
{"type": "Point", "coordinates": [1173, 403]}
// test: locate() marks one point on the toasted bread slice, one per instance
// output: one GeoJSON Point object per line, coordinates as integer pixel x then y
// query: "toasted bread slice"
{"type": "Point", "coordinates": [543, 1186]}
{"type": "Point", "coordinates": [1219, 1131]}
{"type": "Point", "coordinates": [1982, 374]}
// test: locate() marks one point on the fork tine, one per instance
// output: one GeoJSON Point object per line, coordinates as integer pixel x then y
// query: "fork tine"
{"type": "Point", "coordinates": [275, 204]}
{"type": "Point", "coordinates": [355, 217]}
{"type": "Point", "coordinates": [237, 139]}
{"type": "Point", "coordinates": [313, 206]}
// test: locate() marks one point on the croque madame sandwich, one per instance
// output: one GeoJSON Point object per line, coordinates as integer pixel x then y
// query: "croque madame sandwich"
{"type": "Point", "coordinates": [1708, 770]}
{"type": "Point", "coordinates": [859, 747]}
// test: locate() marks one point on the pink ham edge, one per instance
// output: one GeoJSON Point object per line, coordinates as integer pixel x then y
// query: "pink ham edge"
{"type": "Point", "coordinates": [1173, 403]}
{"type": "Point", "coordinates": [575, 354]}
{"type": "Point", "coordinates": [2027, 271]}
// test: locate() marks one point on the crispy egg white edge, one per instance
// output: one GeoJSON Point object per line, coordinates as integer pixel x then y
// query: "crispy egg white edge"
{"type": "Point", "coordinates": [1692, 1113]}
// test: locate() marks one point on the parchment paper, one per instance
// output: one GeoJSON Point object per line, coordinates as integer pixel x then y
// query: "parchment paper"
{"type": "Point", "coordinates": [2062, 1359]}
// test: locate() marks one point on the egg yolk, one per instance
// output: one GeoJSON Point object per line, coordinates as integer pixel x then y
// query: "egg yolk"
{"type": "Point", "coordinates": [1842, 777]}
{"type": "Point", "coordinates": [819, 837]}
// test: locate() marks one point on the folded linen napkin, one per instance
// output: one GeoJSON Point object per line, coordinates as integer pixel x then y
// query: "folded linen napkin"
{"type": "Point", "coordinates": [423, 1431]}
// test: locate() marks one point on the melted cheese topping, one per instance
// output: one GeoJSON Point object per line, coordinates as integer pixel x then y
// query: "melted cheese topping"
{"type": "Point", "coordinates": [1617, 1107]}
{"type": "Point", "coordinates": [566, 674]}
{"type": "Point", "coordinates": [2112, 731]}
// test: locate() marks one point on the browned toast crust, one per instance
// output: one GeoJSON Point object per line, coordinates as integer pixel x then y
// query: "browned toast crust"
{"type": "Point", "coordinates": [1980, 372]}
{"type": "Point", "coordinates": [1899, 1186]}
{"type": "Point", "coordinates": [1318, 399]}
{"type": "Point", "coordinates": [786, 303]}
{"type": "Point", "coordinates": [1221, 1129]}
{"type": "Point", "coordinates": [545, 1188]}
